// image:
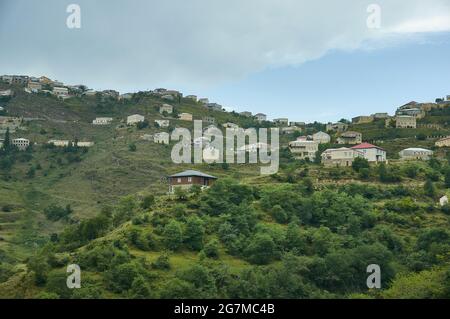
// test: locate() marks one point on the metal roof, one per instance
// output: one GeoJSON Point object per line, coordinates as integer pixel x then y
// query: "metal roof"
{"type": "Point", "coordinates": [189, 173]}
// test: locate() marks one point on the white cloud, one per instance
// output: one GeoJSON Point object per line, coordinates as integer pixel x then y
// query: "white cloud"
{"type": "Point", "coordinates": [432, 24]}
{"type": "Point", "coordinates": [201, 42]}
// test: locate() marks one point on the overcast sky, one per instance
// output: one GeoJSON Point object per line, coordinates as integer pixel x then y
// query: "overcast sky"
{"type": "Point", "coordinates": [306, 60]}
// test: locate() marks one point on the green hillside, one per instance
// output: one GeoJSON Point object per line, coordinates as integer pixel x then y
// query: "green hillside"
{"type": "Point", "coordinates": [306, 232]}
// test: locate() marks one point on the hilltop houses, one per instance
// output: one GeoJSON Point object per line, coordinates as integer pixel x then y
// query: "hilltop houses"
{"type": "Point", "coordinates": [260, 117]}
{"type": "Point", "coordinates": [416, 154]}
{"type": "Point", "coordinates": [304, 149]}
{"type": "Point", "coordinates": [102, 121]}
{"type": "Point", "coordinates": [380, 116]}
{"type": "Point", "coordinates": [192, 97]}
{"type": "Point", "coordinates": [135, 119]}
{"type": "Point", "coordinates": [61, 92]}
{"type": "Point", "coordinates": [405, 121]}
{"type": "Point", "coordinates": [230, 125]}
{"type": "Point", "coordinates": [371, 153]}
{"type": "Point", "coordinates": [338, 127]}
{"type": "Point", "coordinates": [350, 138]}
{"type": "Point", "coordinates": [204, 100]}
{"type": "Point", "coordinates": [290, 129]}
{"type": "Point", "coordinates": [185, 116]}
{"type": "Point", "coordinates": [161, 138]}
{"type": "Point", "coordinates": [443, 142]}
{"type": "Point", "coordinates": [411, 109]}
{"type": "Point", "coordinates": [362, 119]}
{"type": "Point", "coordinates": [15, 79]}
{"type": "Point", "coordinates": [343, 156]}
{"type": "Point", "coordinates": [66, 143]}
{"type": "Point", "coordinates": [281, 121]}
{"type": "Point", "coordinates": [321, 137]}
{"type": "Point", "coordinates": [21, 143]}
{"type": "Point", "coordinates": [162, 123]}
{"type": "Point", "coordinates": [209, 120]}
{"type": "Point", "coordinates": [6, 93]}
{"type": "Point", "coordinates": [166, 108]}
{"type": "Point", "coordinates": [34, 87]}
{"type": "Point", "coordinates": [126, 96]}
{"type": "Point", "coordinates": [215, 107]}
{"type": "Point", "coordinates": [246, 114]}
{"type": "Point", "coordinates": [185, 180]}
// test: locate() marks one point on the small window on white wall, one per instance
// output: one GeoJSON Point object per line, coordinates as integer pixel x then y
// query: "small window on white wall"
{"type": "Point", "coordinates": [189, 179]}
{"type": "Point", "coordinates": [179, 180]}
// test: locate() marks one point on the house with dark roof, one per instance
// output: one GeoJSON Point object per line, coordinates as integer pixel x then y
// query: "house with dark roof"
{"type": "Point", "coordinates": [185, 180]}
{"type": "Point", "coordinates": [350, 138]}
{"type": "Point", "coordinates": [371, 152]}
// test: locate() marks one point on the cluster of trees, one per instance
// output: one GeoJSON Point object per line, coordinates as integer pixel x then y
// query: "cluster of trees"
{"type": "Point", "coordinates": [296, 241]}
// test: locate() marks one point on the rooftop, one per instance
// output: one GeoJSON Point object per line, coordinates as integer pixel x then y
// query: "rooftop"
{"type": "Point", "coordinates": [365, 146]}
{"type": "Point", "coordinates": [190, 173]}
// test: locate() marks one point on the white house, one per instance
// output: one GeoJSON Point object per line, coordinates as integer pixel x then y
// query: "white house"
{"type": "Point", "coordinates": [6, 92]}
{"type": "Point", "coordinates": [371, 152]}
{"type": "Point", "coordinates": [166, 108]}
{"type": "Point", "coordinates": [343, 156]}
{"type": "Point", "coordinates": [59, 143]}
{"type": "Point", "coordinates": [185, 116]}
{"type": "Point", "coordinates": [21, 143]}
{"type": "Point", "coordinates": [102, 121]}
{"type": "Point", "coordinates": [290, 129]}
{"type": "Point", "coordinates": [443, 200]}
{"type": "Point", "coordinates": [260, 117]}
{"type": "Point", "coordinates": [161, 138]}
{"type": "Point", "coordinates": [405, 121]}
{"type": "Point", "coordinates": [60, 91]}
{"type": "Point", "coordinates": [126, 96]}
{"type": "Point", "coordinates": [134, 119]}
{"type": "Point", "coordinates": [303, 149]}
{"type": "Point", "coordinates": [85, 144]}
{"type": "Point", "coordinates": [321, 137]}
{"type": "Point", "coordinates": [415, 153]}
{"type": "Point", "coordinates": [162, 123]}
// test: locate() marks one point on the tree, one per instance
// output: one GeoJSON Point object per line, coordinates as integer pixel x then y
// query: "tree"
{"type": "Point", "coordinates": [194, 233]}
{"type": "Point", "coordinates": [211, 249]}
{"type": "Point", "coordinates": [132, 147]}
{"type": "Point", "coordinates": [261, 249]}
{"type": "Point", "coordinates": [447, 178]}
{"type": "Point", "coordinates": [429, 188]}
{"type": "Point", "coordinates": [148, 202]}
{"type": "Point", "coordinates": [7, 141]}
{"type": "Point", "coordinates": [360, 163]}
{"type": "Point", "coordinates": [38, 264]}
{"type": "Point", "coordinates": [140, 289]}
{"type": "Point", "coordinates": [173, 235]}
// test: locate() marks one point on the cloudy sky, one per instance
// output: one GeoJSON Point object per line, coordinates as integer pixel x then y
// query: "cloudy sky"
{"type": "Point", "coordinates": [306, 60]}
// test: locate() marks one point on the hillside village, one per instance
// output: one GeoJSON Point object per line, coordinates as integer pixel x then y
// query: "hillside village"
{"type": "Point", "coordinates": [86, 176]}
{"type": "Point", "coordinates": [305, 147]}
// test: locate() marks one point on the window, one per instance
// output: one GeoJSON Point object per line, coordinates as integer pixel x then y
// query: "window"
{"type": "Point", "coordinates": [178, 180]}
{"type": "Point", "coordinates": [189, 179]}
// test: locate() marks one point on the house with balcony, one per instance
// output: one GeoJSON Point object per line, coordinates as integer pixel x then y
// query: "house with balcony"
{"type": "Point", "coordinates": [185, 180]}
{"type": "Point", "coordinates": [340, 157]}
{"type": "Point", "coordinates": [372, 153]}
